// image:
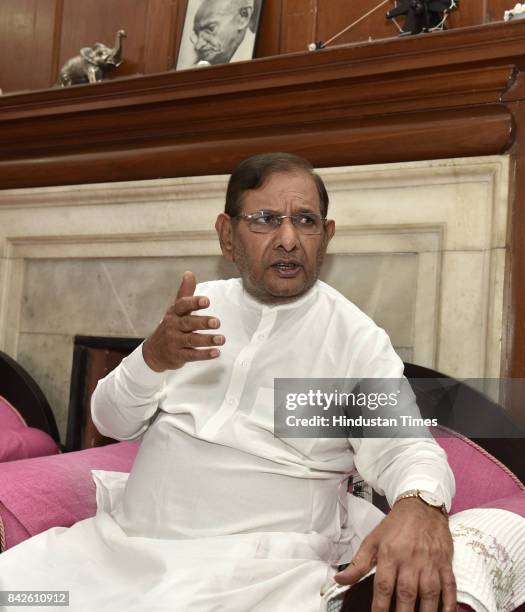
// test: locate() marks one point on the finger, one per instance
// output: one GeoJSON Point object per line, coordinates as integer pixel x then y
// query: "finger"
{"type": "Point", "coordinates": [406, 591]}
{"type": "Point", "coordinates": [200, 354]}
{"type": "Point", "coordinates": [186, 305]}
{"type": "Point", "coordinates": [187, 286]}
{"type": "Point", "coordinates": [429, 590]}
{"type": "Point", "coordinates": [195, 340]}
{"type": "Point", "coordinates": [363, 561]}
{"type": "Point", "coordinates": [191, 323]}
{"type": "Point", "coordinates": [384, 584]}
{"type": "Point", "coordinates": [448, 590]}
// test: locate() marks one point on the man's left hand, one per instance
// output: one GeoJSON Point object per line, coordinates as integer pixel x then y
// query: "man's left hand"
{"type": "Point", "coordinates": [412, 549]}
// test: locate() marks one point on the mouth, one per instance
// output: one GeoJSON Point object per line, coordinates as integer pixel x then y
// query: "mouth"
{"type": "Point", "coordinates": [207, 52]}
{"type": "Point", "coordinates": [286, 269]}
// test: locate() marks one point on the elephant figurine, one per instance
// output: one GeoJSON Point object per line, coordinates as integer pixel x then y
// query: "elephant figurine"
{"type": "Point", "coordinates": [92, 63]}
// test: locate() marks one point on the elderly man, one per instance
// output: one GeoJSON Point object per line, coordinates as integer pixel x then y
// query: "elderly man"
{"type": "Point", "coordinates": [221, 32]}
{"type": "Point", "coordinates": [209, 464]}
{"type": "Point", "coordinates": [218, 513]}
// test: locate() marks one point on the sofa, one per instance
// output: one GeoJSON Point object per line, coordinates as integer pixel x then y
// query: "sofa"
{"type": "Point", "coordinates": [27, 424]}
{"type": "Point", "coordinates": [42, 489]}
{"type": "Point", "coordinates": [58, 490]}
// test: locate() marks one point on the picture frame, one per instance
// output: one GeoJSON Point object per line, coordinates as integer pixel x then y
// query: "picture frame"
{"type": "Point", "coordinates": [218, 32]}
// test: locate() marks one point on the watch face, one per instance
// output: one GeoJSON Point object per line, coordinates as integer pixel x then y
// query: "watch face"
{"type": "Point", "coordinates": [430, 499]}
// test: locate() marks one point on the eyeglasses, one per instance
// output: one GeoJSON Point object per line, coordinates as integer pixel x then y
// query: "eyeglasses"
{"type": "Point", "coordinates": [265, 222]}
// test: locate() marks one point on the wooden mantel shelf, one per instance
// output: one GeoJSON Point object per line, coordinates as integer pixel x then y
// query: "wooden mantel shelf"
{"type": "Point", "coordinates": [428, 96]}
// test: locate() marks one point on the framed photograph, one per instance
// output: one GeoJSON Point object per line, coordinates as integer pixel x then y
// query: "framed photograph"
{"type": "Point", "coordinates": [218, 32]}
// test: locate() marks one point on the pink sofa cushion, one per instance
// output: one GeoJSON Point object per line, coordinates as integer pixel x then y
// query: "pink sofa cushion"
{"type": "Point", "coordinates": [59, 486]}
{"type": "Point", "coordinates": [10, 418]}
{"type": "Point", "coordinates": [480, 477]}
{"type": "Point", "coordinates": [26, 443]}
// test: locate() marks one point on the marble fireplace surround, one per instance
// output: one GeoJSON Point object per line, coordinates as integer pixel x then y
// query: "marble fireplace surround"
{"type": "Point", "coordinates": [419, 246]}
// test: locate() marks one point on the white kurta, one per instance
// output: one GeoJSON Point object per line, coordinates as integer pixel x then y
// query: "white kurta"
{"type": "Point", "coordinates": [213, 491]}
{"type": "Point", "coordinates": [210, 464]}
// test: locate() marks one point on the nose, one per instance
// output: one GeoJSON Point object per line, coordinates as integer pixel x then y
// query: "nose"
{"type": "Point", "coordinates": [286, 236]}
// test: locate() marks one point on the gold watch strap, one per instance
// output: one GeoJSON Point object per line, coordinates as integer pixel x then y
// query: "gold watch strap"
{"type": "Point", "coordinates": [415, 493]}
{"type": "Point", "coordinates": [407, 495]}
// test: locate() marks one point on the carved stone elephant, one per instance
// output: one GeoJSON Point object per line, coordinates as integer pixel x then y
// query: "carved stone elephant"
{"type": "Point", "coordinates": [92, 63]}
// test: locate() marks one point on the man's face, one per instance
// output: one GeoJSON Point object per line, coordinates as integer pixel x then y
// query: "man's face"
{"type": "Point", "coordinates": [219, 27]}
{"type": "Point", "coordinates": [260, 257]}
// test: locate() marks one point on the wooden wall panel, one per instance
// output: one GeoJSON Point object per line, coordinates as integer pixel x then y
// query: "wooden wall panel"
{"type": "Point", "coordinates": [470, 12]}
{"type": "Point", "coordinates": [496, 8]}
{"type": "Point", "coordinates": [26, 43]}
{"type": "Point", "coordinates": [38, 36]}
{"type": "Point", "coordinates": [162, 26]}
{"type": "Point", "coordinates": [269, 37]}
{"type": "Point", "coordinates": [335, 15]}
{"type": "Point", "coordinates": [298, 24]}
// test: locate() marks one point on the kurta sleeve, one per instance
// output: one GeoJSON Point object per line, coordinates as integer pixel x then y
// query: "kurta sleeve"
{"type": "Point", "coordinates": [395, 465]}
{"type": "Point", "coordinates": [126, 399]}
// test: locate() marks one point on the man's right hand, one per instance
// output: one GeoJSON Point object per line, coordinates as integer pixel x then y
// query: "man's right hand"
{"type": "Point", "coordinates": [175, 342]}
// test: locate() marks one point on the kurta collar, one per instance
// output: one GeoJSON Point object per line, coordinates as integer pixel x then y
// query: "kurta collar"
{"type": "Point", "coordinates": [251, 302]}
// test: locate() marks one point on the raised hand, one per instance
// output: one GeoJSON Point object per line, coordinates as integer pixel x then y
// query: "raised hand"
{"type": "Point", "coordinates": [175, 341]}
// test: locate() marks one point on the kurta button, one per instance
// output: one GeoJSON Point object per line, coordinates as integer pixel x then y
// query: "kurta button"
{"type": "Point", "coordinates": [245, 364]}
{"type": "Point", "coordinates": [231, 401]}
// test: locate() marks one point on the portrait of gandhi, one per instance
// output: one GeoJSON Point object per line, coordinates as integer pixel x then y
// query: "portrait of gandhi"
{"type": "Point", "coordinates": [218, 32]}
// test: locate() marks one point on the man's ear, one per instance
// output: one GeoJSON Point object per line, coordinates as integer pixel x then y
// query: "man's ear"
{"type": "Point", "coordinates": [329, 228]}
{"type": "Point", "coordinates": [329, 231]}
{"type": "Point", "coordinates": [223, 226]}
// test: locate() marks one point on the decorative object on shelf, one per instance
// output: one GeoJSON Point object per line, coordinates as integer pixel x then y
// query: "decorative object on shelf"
{"type": "Point", "coordinates": [92, 64]}
{"type": "Point", "coordinates": [423, 15]}
{"type": "Point", "coordinates": [518, 12]}
{"type": "Point", "coordinates": [218, 32]}
{"type": "Point", "coordinates": [318, 44]}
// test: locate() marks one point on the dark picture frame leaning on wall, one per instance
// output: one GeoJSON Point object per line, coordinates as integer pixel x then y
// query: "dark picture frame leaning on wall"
{"type": "Point", "coordinates": [218, 32]}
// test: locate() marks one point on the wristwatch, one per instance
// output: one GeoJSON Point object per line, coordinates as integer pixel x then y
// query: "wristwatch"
{"type": "Point", "coordinates": [430, 499]}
